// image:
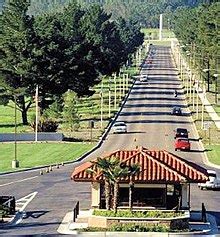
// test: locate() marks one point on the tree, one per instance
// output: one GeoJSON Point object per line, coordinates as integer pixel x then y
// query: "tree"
{"type": "Point", "coordinates": [133, 169]}
{"type": "Point", "coordinates": [70, 112]}
{"type": "Point", "coordinates": [104, 165]}
{"type": "Point", "coordinates": [106, 45]}
{"type": "Point", "coordinates": [116, 174]}
{"type": "Point", "coordinates": [17, 39]}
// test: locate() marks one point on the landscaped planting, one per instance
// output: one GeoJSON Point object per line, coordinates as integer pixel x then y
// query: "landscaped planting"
{"type": "Point", "coordinates": [134, 227]}
{"type": "Point", "coordinates": [138, 214]}
{"type": "Point", "coordinates": [131, 227]}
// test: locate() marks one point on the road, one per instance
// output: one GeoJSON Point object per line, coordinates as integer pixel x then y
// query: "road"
{"type": "Point", "coordinates": [147, 113]}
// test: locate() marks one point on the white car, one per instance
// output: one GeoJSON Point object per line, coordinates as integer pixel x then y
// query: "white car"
{"type": "Point", "coordinates": [119, 127]}
{"type": "Point", "coordinates": [212, 183]}
{"type": "Point", "coordinates": [143, 78]}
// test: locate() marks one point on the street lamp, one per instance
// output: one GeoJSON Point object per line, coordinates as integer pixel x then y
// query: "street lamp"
{"type": "Point", "coordinates": [216, 87]}
{"type": "Point", "coordinates": [207, 70]}
{"type": "Point", "coordinates": [15, 162]}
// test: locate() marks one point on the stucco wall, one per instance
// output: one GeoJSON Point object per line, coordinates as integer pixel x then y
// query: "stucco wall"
{"type": "Point", "coordinates": [185, 201]}
{"type": "Point", "coordinates": [95, 194]}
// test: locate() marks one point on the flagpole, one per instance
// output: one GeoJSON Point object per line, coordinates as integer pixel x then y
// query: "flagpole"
{"type": "Point", "coordinates": [36, 115]}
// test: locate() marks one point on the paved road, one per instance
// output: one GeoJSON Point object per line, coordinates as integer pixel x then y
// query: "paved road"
{"type": "Point", "coordinates": [147, 113]}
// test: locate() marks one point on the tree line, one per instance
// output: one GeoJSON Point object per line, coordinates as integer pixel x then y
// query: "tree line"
{"type": "Point", "coordinates": [65, 49]}
{"type": "Point", "coordinates": [145, 12]}
{"type": "Point", "coordinates": [197, 31]}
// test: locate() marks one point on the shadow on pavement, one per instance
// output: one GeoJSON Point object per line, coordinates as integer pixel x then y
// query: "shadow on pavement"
{"type": "Point", "coordinates": [159, 121]}
{"type": "Point", "coordinates": [34, 214]}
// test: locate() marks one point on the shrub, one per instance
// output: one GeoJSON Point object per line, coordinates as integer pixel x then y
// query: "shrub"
{"type": "Point", "coordinates": [138, 214]}
{"type": "Point", "coordinates": [45, 126]}
{"type": "Point", "coordinates": [131, 227]}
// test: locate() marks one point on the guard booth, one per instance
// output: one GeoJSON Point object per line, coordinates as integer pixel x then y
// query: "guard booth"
{"type": "Point", "coordinates": [7, 203]}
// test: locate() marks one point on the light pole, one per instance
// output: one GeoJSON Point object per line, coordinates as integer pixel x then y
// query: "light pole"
{"type": "Point", "coordinates": [15, 162]}
{"type": "Point", "coordinates": [123, 79]}
{"type": "Point", "coordinates": [207, 70]}
{"type": "Point", "coordinates": [109, 97]}
{"type": "Point", "coordinates": [36, 116]}
{"type": "Point", "coordinates": [101, 94]}
{"type": "Point", "coordinates": [203, 105]}
{"type": "Point", "coordinates": [197, 100]}
{"type": "Point", "coordinates": [115, 82]}
{"type": "Point", "coordinates": [216, 87]}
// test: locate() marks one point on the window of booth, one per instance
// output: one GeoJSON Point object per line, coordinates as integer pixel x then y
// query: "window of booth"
{"type": "Point", "coordinates": [143, 196]}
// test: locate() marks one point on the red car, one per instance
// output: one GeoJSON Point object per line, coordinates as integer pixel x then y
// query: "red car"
{"type": "Point", "coordinates": [182, 144]}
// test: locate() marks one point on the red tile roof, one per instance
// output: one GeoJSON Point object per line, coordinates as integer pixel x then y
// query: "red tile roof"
{"type": "Point", "coordinates": [155, 167]}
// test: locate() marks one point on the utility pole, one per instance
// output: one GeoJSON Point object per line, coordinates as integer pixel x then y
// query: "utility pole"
{"type": "Point", "coordinates": [208, 75]}
{"type": "Point", "coordinates": [15, 162]}
{"type": "Point", "coordinates": [127, 79]}
{"type": "Point", "coordinates": [190, 87]}
{"type": "Point", "coordinates": [161, 27]}
{"type": "Point", "coordinates": [115, 102]}
{"type": "Point", "coordinates": [101, 94]}
{"type": "Point", "coordinates": [187, 82]}
{"type": "Point", "coordinates": [197, 100]}
{"type": "Point", "coordinates": [36, 113]}
{"type": "Point", "coordinates": [123, 76]}
{"type": "Point", "coordinates": [193, 92]}
{"type": "Point", "coordinates": [120, 87]}
{"type": "Point", "coordinates": [109, 98]}
{"type": "Point", "coordinates": [203, 102]}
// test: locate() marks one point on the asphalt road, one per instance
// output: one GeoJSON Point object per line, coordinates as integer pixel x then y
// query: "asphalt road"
{"type": "Point", "coordinates": [147, 113]}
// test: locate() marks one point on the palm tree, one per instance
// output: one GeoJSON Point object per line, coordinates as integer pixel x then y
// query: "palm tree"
{"type": "Point", "coordinates": [113, 170]}
{"type": "Point", "coordinates": [133, 169]}
{"type": "Point", "coordinates": [104, 166]}
{"type": "Point", "coordinates": [118, 172]}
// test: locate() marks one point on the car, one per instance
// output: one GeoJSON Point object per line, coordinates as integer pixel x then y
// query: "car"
{"type": "Point", "coordinates": [143, 78]}
{"type": "Point", "coordinates": [212, 183]}
{"type": "Point", "coordinates": [181, 132]}
{"type": "Point", "coordinates": [182, 144]}
{"type": "Point", "coordinates": [119, 127]}
{"type": "Point", "coordinates": [176, 111]}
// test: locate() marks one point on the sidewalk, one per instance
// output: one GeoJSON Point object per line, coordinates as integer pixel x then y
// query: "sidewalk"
{"type": "Point", "coordinates": [208, 107]}
{"type": "Point", "coordinates": [196, 226]}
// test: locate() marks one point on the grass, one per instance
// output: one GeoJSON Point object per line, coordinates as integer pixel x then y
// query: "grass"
{"type": "Point", "coordinates": [214, 153]}
{"type": "Point", "coordinates": [154, 33]}
{"type": "Point", "coordinates": [31, 154]}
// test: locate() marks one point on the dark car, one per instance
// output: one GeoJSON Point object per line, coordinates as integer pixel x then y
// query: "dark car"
{"type": "Point", "coordinates": [176, 111]}
{"type": "Point", "coordinates": [181, 132]}
{"type": "Point", "coordinates": [182, 144]}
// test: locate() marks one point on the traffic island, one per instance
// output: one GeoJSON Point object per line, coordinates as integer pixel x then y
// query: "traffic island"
{"type": "Point", "coordinates": [162, 221]}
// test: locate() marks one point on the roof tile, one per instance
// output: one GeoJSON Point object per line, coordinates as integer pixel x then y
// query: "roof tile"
{"type": "Point", "coordinates": [155, 166]}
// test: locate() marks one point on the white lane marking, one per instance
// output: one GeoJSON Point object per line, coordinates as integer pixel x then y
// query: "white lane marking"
{"type": "Point", "coordinates": [18, 181]}
{"type": "Point", "coordinates": [27, 199]}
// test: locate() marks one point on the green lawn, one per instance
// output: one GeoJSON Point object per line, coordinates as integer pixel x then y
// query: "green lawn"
{"type": "Point", "coordinates": [214, 154]}
{"type": "Point", "coordinates": [217, 109]}
{"type": "Point", "coordinates": [31, 154]}
{"type": "Point", "coordinates": [154, 32]}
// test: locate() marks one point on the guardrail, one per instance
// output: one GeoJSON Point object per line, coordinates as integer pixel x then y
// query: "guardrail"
{"type": "Point", "coordinates": [75, 211]}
